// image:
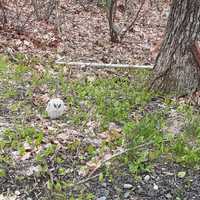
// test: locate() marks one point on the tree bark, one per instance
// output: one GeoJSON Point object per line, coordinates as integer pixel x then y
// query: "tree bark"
{"type": "Point", "coordinates": [177, 67]}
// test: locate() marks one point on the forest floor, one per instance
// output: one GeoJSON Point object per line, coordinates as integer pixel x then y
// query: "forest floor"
{"type": "Point", "coordinates": [84, 32]}
{"type": "Point", "coordinates": [116, 140]}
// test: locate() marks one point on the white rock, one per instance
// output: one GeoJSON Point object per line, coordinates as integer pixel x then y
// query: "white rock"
{"type": "Point", "coordinates": [127, 186]}
{"type": "Point", "coordinates": [27, 146]}
{"type": "Point", "coordinates": [17, 192]}
{"type": "Point", "coordinates": [147, 178]}
{"type": "Point", "coordinates": [168, 195]}
{"type": "Point", "coordinates": [104, 184]}
{"type": "Point", "coordinates": [55, 108]}
{"type": "Point", "coordinates": [155, 187]}
{"type": "Point", "coordinates": [102, 198]}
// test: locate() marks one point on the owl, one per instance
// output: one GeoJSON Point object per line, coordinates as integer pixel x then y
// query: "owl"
{"type": "Point", "coordinates": [55, 108]}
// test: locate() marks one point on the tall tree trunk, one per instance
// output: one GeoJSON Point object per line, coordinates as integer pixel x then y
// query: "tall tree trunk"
{"type": "Point", "coordinates": [177, 67]}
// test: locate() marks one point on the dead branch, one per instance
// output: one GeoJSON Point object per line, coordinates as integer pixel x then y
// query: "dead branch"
{"type": "Point", "coordinates": [133, 22]}
{"type": "Point", "coordinates": [86, 180]}
{"type": "Point", "coordinates": [103, 65]}
{"type": "Point", "coordinates": [118, 154]}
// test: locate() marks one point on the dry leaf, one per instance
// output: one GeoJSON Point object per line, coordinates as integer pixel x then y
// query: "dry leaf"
{"type": "Point", "coordinates": [39, 69]}
{"type": "Point", "coordinates": [113, 135]}
{"type": "Point", "coordinates": [83, 171]}
{"type": "Point", "coordinates": [26, 156]}
{"type": "Point", "coordinates": [103, 135]}
{"type": "Point", "coordinates": [39, 100]}
{"type": "Point", "coordinates": [94, 163]}
{"type": "Point", "coordinates": [114, 132]}
{"type": "Point", "coordinates": [68, 133]}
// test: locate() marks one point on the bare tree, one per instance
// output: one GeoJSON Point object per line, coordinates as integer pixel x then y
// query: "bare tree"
{"type": "Point", "coordinates": [3, 10]}
{"type": "Point", "coordinates": [117, 32]}
{"type": "Point", "coordinates": [44, 8]}
{"type": "Point", "coordinates": [22, 13]}
{"type": "Point", "coordinates": [111, 12]}
{"type": "Point", "coordinates": [177, 67]}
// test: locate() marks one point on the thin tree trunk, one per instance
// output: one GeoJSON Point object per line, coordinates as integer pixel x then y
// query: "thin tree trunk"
{"type": "Point", "coordinates": [177, 69]}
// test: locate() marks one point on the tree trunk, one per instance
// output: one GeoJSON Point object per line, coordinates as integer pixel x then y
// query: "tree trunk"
{"type": "Point", "coordinates": [177, 67]}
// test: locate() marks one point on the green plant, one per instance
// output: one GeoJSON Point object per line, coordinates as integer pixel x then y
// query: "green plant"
{"type": "Point", "coordinates": [141, 138]}
{"type": "Point", "coordinates": [2, 173]}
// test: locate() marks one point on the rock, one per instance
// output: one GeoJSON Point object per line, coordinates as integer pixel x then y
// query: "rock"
{"type": "Point", "coordinates": [102, 198]}
{"type": "Point", "coordinates": [127, 186]}
{"type": "Point", "coordinates": [104, 184]}
{"type": "Point", "coordinates": [181, 174]}
{"type": "Point", "coordinates": [168, 196]}
{"type": "Point", "coordinates": [17, 193]}
{"type": "Point", "coordinates": [126, 194]}
{"type": "Point", "coordinates": [155, 187]}
{"type": "Point", "coordinates": [147, 178]}
{"type": "Point", "coordinates": [139, 189]}
{"type": "Point", "coordinates": [27, 146]}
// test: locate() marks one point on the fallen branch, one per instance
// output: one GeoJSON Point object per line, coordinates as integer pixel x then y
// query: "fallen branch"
{"type": "Point", "coordinates": [103, 65]}
{"type": "Point", "coordinates": [86, 180]}
{"type": "Point", "coordinates": [117, 155]}
{"type": "Point", "coordinates": [103, 162]}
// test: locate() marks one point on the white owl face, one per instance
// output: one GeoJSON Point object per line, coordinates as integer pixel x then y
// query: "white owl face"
{"type": "Point", "coordinates": [55, 108]}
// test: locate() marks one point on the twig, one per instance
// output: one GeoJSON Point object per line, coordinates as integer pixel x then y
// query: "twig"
{"type": "Point", "coordinates": [86, 180]}
{"type": "Point", "coordinates": [106, 160]}
{"type": "Point", "coordinates": [118, 154]}
{"type": "Point", "coordinates": [11, 54]}
{"type": "Point", "coordinates": [133, 22]}
{"type": "Point", "coordinates": [103, 65]}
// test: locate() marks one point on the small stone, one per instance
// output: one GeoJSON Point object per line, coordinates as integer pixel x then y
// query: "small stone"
{"type": "Point", "coordinates": [29, 198]}
{"type": "Point", "coordinates": [87, 185]}
{"type": "Point", "coordinates": [126, 194]}
{"type": "Point", "coordinates": [17, 192]}
{"type": "Point", "coordinates": [102, 198]}
{"type": "Point", "coordinates": [104, 184]}
{"type": "Point", "coordinates": [181, 174]}
{"type": "Point", "coordinates": [168, 173]}
{"type": "Point", "coordinates": [139, 189]}
{"type": "Point", "coordinates": [168, 195]}
{"type": "Point", "coordinates": [128, 186]}
{"type": "Point", "coordinates": [155, 187]}
{"type": "Point", "coordinates": [27, 146]}
{"type": "Point", "coordinates": [147, 178]}
{"type": "Point", "coordinates": [15, 155]}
